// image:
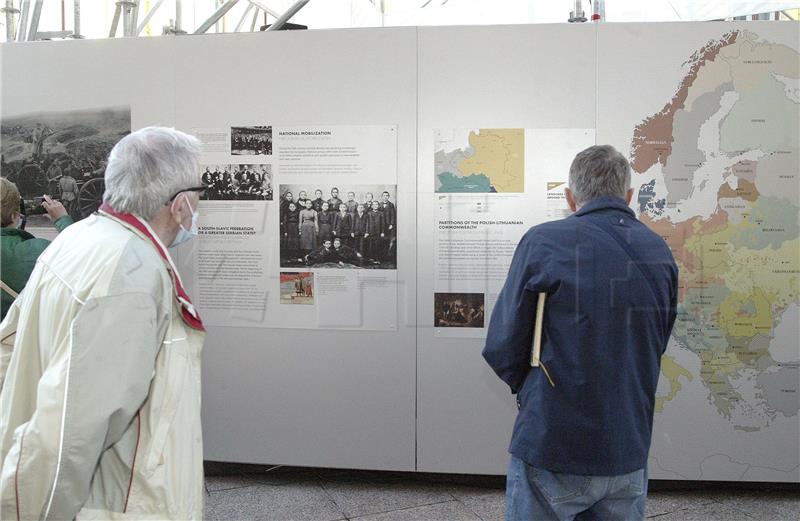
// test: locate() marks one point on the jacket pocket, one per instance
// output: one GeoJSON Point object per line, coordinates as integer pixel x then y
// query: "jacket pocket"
{"type": "Point", "coordinates": [8, 334]}
{"type": "Point", "coordinates": [166, 394]}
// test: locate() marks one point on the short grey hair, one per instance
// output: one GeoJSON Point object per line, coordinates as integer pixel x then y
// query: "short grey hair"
{"type": "Point", "coordinates": [599, 171]}
{"type": "Point", "coordinates": [149, 166]}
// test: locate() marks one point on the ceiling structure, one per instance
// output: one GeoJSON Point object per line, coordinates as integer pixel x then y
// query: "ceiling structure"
{"type": "Point", "coordinates": [56, 17]}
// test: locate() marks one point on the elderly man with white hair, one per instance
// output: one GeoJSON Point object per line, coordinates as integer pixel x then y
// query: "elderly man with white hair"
{"type": "Point", "coordinates": [100, 356]}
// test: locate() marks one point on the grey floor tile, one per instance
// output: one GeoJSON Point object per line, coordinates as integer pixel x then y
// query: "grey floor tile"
{"type": "Point", "coordinates": [487, 503]}
{"type": "Point", "coordinates": [467, 492]}
{"type": "Point", "coordinates": [296, 494]}
{"type": "Point", "coordinates": [216, 468]}
{"type": "Point", "coordinates": [215, 483]}
{"type": "Point", "coordinates": [766, 506]}
{"type": "Point", "coordinates": [301, 502]}
{"type": "Point", "coordinates": [448, 511]}
{"type": "Point", "coordinates": [704, 512]}
{"type": "Point", "coordinates": [663, 502]}
{"type": "Point", "coordinates": [362, 498]}
{"type": "Point", "coordinates": [487, 509]}
{"type": "Point", "coordinates": [363, 476]}
{"type": "Point", "coordinates": [284, 476]}
{"type": "Point", "coordinates": [278, 477]}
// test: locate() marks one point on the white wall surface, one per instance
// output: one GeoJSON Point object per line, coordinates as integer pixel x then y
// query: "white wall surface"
{"type": "Point", "coordinates": [311, 397]}
{"type": "Point", "coordinates": [404, 400]}
{"type": "Point", "coordinates": [492, 77]}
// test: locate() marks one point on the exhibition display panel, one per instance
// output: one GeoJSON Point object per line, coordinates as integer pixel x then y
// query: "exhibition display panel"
{"type": "Point", "coordinates": [368, 188]}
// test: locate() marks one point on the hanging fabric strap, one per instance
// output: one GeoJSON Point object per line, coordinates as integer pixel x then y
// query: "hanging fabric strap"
{"type": "Point", "coordinates": [188, 312]}
{"type": "Point", "coordinates": [604, 225]}
{"type": "Point", "coordinates": [5, 287]}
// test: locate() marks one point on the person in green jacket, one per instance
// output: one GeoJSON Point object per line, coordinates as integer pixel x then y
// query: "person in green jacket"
{"type": "Point", "coordinates": [18, 248]}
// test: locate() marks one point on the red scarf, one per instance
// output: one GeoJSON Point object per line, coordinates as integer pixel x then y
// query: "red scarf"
{"type": "Point", "coordinates": [190, 315]}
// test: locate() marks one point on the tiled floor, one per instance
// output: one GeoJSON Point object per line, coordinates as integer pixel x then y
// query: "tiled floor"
{"type": "Point", "coordinates": [249, 492]}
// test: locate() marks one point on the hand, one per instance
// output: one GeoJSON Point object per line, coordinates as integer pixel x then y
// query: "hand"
{"type": "Point", "coordinates": [391, 226]}
{"type": "Point", "coordinates": [366, 235]}
{"type": "Point", "coordinates": [53, 208]}
{"type": "Point", "coordinates": [382, 235]}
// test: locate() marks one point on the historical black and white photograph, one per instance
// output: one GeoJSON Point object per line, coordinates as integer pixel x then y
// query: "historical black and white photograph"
{"type": "Point", "coordinates": [249, 182]}
{"type": "Point", "coordinates": [338, 226]}
{"type": "Point", "coordinates": [251, 141]}
{"type": "Point", "coordinates": [458, 310]}
{"type": "Point", "coordinates": [61, 154]}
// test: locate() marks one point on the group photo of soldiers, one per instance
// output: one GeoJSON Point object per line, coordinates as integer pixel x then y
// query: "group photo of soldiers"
{"type": "Point", "coordinates": [251, 141]}
{"type": "Point", "coordinates": [327, 226]}
{"type": "Point", "coordinates": [458, 310]}
{"type": "Point", "coordinates": [237, 182]}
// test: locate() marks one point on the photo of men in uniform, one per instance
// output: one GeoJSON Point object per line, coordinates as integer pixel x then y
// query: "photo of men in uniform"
{"type": "Point", "coordinates": [237, 182]}
{"type": "Point", "coordinates": [251, 141]}
{"type": "Point", "coordinates": [335, 226]}
{"type": "Point", "coordinates": [459, 310]}
{"type": "Point", "coordinates": [61, 154]}
{"type": "Point", "coordinates": [297, 288]}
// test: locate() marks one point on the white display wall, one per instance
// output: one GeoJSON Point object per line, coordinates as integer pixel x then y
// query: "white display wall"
{"type": "Point", "coordinates": [496, 78]}
{"type": "Point", "coordinates": [382, 381]}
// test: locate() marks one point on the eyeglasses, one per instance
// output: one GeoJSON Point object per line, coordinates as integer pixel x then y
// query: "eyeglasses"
{"type": "Point", "coordinates": [200, 189]}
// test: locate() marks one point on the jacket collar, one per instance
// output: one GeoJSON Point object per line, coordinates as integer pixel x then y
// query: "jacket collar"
{"type": "Point", "coordinates": [605, 203]}
{"type": "Point", "coordinates": [16, 231]}
{"type": "Point", "coordinates": [188, 312]}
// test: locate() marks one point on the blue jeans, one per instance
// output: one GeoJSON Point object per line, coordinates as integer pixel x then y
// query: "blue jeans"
{"type": "Point", "coordinates": [534, 494]}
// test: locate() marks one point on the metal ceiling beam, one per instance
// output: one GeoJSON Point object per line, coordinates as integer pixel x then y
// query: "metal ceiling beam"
{"type": "Point", "coordinates": [135, 18]}
{"type": "Point", "coordinates": [243, 18]}
{"type": "Point", "coordinates": [114, 22]}
{"type": "Point", "coordinates": [147, 17]}
{"type": "Point", "coordinates": [214, 18]}
{"type": "Point", "coordinates": [34, 28]}
{"type": "Point", "coordinates": [285, 17]}
{"type": "Point", "coordinates": [126, 19]}
{"type": "Point", "coordinates": [256, 12]}
{"type": "Point", "coordinates": [50, 35]}
{"type": "Point", "coordinates": [179, 17]}
{"type": "Point", "coordinates": [265, 8]}
{"type": "Point", "coordinates": [76, 15]}
{"type": "Point", "coordinates": [22, 27]}
{"type": "Point", "coordinates": [9, 11]}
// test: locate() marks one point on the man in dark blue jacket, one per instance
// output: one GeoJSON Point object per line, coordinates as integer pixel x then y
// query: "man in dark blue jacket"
{"type": "Point", "coordinates": [580, 442]}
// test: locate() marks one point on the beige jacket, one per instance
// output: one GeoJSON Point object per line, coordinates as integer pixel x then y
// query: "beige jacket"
{"type": "Point", "coordinates": [100, 383]}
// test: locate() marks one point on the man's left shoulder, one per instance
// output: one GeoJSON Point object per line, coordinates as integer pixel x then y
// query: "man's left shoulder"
{"type": "Point", "coordinates": [550, 231]}
{"type": "Point", "coordinates": [650, 240]}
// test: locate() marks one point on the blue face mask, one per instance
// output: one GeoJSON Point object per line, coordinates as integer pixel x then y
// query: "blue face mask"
{"type": "Point", "coordinates": [184, 234]}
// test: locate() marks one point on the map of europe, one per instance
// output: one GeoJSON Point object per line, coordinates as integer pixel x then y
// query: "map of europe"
{"type": "Point", "coordinates": [719, 174]}
{"type": "Point", "coordinates": [489, 160]}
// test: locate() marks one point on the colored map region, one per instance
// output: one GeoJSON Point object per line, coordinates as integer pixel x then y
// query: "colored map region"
{"type": "Point", "coordinates": [482, 161]}
{"type": "Point", "coordinates": [719, 175]}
